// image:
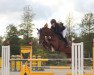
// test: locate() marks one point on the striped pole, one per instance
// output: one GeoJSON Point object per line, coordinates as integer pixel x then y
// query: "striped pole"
{"type": "Point", "coordinates": [77, 58]}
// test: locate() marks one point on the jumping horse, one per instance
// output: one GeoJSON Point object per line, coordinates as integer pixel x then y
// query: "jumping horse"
{"type": "Point", "coordinates": [50, 41]}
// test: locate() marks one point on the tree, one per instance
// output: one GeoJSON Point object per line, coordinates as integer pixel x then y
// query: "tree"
{"type": "Point", "coordinates": [69, 25]}
{"type": "Point", "coordinates": [87, 32]}
{"type": "Point", "coordinates": [12, 39]}
{"type": "Point", "coordinates": [1, 40]}
{"type": "Point", "coordinates": [26, 25]}
{"type": "Point", "coordinates": [87, 25]}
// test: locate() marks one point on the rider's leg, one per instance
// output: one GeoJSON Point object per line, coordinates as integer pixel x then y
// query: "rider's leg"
{"type": "Point", "coordinates": [63, 37]}
{"type": "Point", "coordinates": [64, 32]}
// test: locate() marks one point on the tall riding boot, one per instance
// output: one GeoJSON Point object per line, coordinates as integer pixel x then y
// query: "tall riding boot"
{"type": "Point", "coordinates": [66, 43]}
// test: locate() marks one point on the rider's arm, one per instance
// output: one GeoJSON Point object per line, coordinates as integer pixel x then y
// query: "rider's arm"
{"type": "Point", "coordinates": [63, 27]}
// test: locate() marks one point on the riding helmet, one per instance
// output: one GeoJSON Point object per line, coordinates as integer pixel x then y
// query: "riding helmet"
{"type": "Point", "coordinates": [53, 21]}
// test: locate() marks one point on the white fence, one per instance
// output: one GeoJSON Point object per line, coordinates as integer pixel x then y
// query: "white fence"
{"type": "Point", "coordinates": [77, 59]}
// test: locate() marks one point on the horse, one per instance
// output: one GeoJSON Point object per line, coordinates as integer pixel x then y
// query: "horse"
{"type": "Point", "coordinates": [50, 41]}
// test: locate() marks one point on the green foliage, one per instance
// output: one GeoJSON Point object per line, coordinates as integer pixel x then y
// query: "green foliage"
{"type": "Point", "coordinates": [35, 44]}
{"type": "Point", "coordinates": [88, 43]}
{"type": "Point", "coordinates": [12, 39]}
{"type": "Point", "coordinates": [56, 55]}
{"type": "Point", "coordinates": [15, 49]}
{"type": "Point", "coordinates": [87, 33]}
{"type": "Point", "coordinates": [1, 40]}
{"type": "Point", "coordinates": [11, 31]}
{"type": "Point", "coordinates": [26, 42]}
{"type": "Point", "coordinates": [87, 25]}
{"type": "Point", "coordinates": [51, 55]}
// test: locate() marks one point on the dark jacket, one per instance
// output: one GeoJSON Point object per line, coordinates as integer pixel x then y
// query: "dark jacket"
{"type": "Point", "coordinates": [57, 29]}
{"type": "Point", "coordinates": [62, 26]}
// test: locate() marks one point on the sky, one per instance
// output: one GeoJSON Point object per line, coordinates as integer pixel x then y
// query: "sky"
{"type": "Point", "coordinates": [11, 12]}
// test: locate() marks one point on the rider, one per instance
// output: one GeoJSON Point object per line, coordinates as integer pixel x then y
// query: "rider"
{"type": "Point", "coordinates": [58, 28]}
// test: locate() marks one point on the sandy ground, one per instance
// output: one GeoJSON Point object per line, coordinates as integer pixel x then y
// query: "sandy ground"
{"type": "Point", "coordinates": [56, 71]}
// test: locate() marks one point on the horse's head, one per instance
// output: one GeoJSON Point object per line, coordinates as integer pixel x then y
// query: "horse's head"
{"type": "Point", "coordinates": [44, 32]}
{"type": "Point", "coordinates": [45, 36]}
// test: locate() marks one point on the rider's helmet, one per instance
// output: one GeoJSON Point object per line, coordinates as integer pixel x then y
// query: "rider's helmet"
{"type": "Point", "coordinates": [53, 21]}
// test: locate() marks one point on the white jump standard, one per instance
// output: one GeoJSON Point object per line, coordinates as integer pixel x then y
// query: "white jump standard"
{"type": "Point", "coordinates": [5, 60]}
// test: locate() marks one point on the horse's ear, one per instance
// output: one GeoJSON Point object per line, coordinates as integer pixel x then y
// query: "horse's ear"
{"type": "Point", "coordinates": [46, 25]}
{"type": "Point", "coordinates": [39, 30]}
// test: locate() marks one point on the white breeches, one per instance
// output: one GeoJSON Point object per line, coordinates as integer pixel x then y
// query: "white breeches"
{"type": "Point", "coordinates": [64, 32]}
